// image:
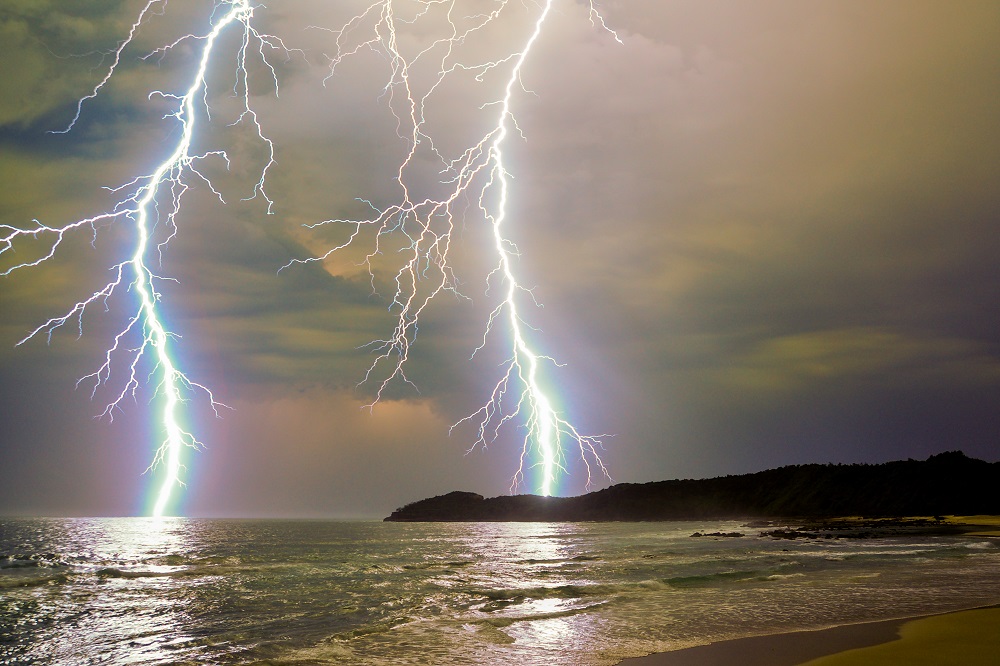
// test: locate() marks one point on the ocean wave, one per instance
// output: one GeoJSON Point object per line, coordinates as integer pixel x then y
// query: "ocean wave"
{"type": "Point", "coordinates": [13, 582]}
{"type": "Point", "coordinates": [537, 610]}
{"type": "Point", "coordinates": [492, 634]}
{"type": "Point", "coordinates": [35, 560]}
{"type": "Point", "coordinates": [782, 576]}
{"type": "Point", "coordinates": [373, 594]}
{"type": "Point", "coordinates": [532, 561]}
{"type": "Point", "coordinates": [570, 591]}
{"type": "Point", "coordinates": [451, 564]}
{"type": "Point", "coordinates": [34, 570]}
{"type": "Point", "coordinates": [114, 572]}
{"type": "Point", "coordinates": [369, 629]}
{"type": "Point", "coordinates": [715, 577]}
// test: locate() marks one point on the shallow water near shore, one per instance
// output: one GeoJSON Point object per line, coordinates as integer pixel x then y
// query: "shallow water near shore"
{"type": "Point", "coordinates": [189, 591]}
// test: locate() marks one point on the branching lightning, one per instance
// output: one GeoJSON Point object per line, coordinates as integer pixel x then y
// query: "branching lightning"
{"type": "Point", "coordinates": [418, 227]}
{"type": "Point", "coordinates": [427, 222]}
{"type": "Point", "coordinates": [146, 202]}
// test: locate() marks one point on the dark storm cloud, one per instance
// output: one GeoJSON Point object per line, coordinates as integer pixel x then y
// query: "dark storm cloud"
{"type": "Point", "coordinates": [788, 217]}
{"type": "Point", "coordinates": [43, 48]}
{"type": "Point", "coordinates": [762, 234]}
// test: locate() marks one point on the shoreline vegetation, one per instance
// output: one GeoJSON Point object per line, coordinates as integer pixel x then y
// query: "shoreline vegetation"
{"type": "Point", "coordinates": [966, 637]}
{"type": "Point", "coordinates": [945, 484]}
{"type": "Point", "coordinates": [948, 494]}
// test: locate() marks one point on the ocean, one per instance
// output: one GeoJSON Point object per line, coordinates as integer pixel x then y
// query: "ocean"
{"type": "Point", "coordinates": [190, 591]}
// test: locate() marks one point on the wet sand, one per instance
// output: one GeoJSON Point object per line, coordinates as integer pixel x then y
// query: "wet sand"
{"type": "Point", "coordinates": [966, 638]}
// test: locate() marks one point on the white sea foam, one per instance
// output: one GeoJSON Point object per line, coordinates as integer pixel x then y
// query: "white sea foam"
{"type": "Point", "coordinates": [376, 593]}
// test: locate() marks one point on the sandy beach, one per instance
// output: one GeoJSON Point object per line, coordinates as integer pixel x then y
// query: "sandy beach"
{"type": "Point", "coordinates": [966, 638]}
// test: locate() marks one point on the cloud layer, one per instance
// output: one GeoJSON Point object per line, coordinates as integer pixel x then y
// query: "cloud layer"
{"type": "Point", "coordinates": [762, 234]}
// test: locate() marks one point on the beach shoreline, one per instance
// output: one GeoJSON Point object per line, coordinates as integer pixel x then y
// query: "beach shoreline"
{"type": "Point", "coordinates": [841, 644]}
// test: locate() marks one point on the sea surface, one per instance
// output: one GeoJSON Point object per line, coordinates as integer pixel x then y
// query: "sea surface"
{"type": "Point", "coordinates": [188, 591]}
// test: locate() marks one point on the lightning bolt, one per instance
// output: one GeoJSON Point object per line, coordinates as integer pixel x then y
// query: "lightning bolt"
{"type": "Point", "coordinates": [544, 425]}
{"type": "Point", "coordinates": [146, 202]}
{"type": "Point", "coordinates": [426, 223]}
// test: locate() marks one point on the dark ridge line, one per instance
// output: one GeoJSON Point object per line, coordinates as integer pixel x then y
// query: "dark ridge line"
{"type": "Point", "coordinates": [948, 483]}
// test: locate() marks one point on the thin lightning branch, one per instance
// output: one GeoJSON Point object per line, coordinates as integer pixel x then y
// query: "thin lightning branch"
{"type": "Point", "coordinates": [426, 223]}
{"type": "Point", "coordinates": [140, 204]}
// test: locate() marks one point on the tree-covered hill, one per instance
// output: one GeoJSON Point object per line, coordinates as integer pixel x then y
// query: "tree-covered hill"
{"type": "Point", "coordinates": [947, 483]}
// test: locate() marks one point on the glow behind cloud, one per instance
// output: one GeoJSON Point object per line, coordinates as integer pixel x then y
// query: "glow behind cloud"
{"type": "Point", "coordinates": [155, 199]}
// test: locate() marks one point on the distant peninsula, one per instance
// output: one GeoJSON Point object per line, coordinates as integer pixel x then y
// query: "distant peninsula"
{"type": "Point", "coordinates": [945, 484]}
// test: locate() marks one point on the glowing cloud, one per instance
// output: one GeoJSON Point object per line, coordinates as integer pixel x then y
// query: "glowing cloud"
{"type": "Point", "coordinates": [427, 220]}
{"type": "Point", "coordinates": [420, 224]}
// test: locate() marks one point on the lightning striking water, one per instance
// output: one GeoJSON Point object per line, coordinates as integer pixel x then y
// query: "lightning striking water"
{"type": "Point", "coordinates": [427, 221]}
{"type": "Point", "coordinates": [146, 202]}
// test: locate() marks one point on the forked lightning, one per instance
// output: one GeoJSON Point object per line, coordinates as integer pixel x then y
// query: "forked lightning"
{"type": "Point", "coordinates": [425, 221]}
{"type": "Point", "coordinates": [145, 202]}
{"type": "Point", "coordinates": [428, 221]}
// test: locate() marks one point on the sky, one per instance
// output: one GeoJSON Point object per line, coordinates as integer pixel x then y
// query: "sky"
{"type": "Point", "coordinates": [760, 234]}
